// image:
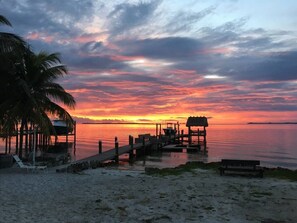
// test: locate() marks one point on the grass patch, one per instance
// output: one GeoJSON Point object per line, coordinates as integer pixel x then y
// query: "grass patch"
{"type": "Point", "coordinates": [208, 208]}
{"type": "Point", "coordinates": [281, 173]}
{"type": "Point", "coordinates": [188, 167]}
{"type": "Point", "coordinates": [260, 194]}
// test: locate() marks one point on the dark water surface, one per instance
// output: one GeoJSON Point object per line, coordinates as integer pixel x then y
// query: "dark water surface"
{"type": "Point", "coordinates": [274, 145]}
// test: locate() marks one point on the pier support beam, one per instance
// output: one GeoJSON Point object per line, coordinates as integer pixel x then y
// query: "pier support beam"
{"type": "Point", "coordinates": [116, 146]}
{"type": "Point", "coordinates": [158, 129]}
{"type": "Point", "coordinates": [189, 135]}
{"type": "Point", "coordinates": [131, 153]}
{"type": "Point", "coordinates": [182, 136]}
{"type": "Point", "coordinates": [100, 147]}
{"type": "Point", "coordinates": [143, 145]}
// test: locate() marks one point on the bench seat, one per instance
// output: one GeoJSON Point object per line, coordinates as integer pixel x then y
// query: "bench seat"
{"type": "Point", "coordinates": [241, 166]}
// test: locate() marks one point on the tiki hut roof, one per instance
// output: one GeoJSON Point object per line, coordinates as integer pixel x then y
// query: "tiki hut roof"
{"type": "Point", "coordinates": [197, 121]}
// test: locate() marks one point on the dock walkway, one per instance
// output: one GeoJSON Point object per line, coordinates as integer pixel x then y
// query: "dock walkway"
{"type": "Point", "coordinates": [111, 154]}
{"type": "Point", "coordinates": [143, 145]}
{"type": "Point", "coordinates": [147, 143]}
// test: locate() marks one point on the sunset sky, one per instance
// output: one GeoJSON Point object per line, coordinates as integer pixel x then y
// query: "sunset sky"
{"type": "Point", "coordinates": [234, 61]}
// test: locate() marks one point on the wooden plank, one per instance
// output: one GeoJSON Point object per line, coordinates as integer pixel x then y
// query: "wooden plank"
{"type": "Point", "coordinates": [111, 154]}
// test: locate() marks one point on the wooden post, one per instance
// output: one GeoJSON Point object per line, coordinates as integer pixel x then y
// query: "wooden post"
{"type": "Point", "coordinates": [116, 145]}
{"type": "Point", "coordinates": [30, 139]}
{"type": "Point", "coordinates": [74, 129]}
{"type": "Point", "coordinates": [6, 144]}
{"type": "Point", "coordinates": [198, 136]}
{"type": "Point", "coordinates": [43, 141]}
{"type": "Point", "coordinates": [9, 144]}
{"type": "Point", "coordinates": [131, 154]}
{"type": "Point", "coordinates": [189, 136]}
{"type": "Point", "coordinates": [17, 141]}
{"type": "Point", "coordinates": [182, 136]}
{"type": "Point", "coordinates": [160, 129]}
{"type": "Point", "coordinates": [178, 133]}
{"type": "Point", "coordinates": [100, 147]}
{"type": "Point", "coordinates": [36, 139]}
{"type": "Point", "coordinates": [143, 144]}
{"type": "Point", "coordinates": [204, 141]}
{"type": "Point", "coordinates": [33, 146]}
{"type": "Point", "coordinates": [26, 140]}
{"type": "Point", "coordinates": [159, 142]}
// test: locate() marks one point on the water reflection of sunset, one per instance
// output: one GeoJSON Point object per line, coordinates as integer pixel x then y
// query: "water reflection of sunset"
{"type": "Point", "coordinates": [272, 144]}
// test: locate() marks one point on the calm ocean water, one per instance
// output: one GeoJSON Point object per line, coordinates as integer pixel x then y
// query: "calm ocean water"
{"type": "Point", "coordinates": [274, 145]}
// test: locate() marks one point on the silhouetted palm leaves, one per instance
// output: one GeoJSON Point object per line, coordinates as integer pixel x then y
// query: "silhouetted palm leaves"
{"type": "Point", "coordinates": [28, 90]}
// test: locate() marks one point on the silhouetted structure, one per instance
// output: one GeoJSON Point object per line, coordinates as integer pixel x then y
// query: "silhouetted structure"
{"type": "Point", "coordinates": [197, 121]}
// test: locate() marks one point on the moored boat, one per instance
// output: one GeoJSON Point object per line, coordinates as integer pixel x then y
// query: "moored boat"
{"type": "Point", "coordinates": [61, 127]}
{"type": "Point", "coordinates": [169, 130]}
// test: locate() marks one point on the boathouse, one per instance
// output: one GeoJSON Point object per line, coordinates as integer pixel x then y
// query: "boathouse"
{"type": "Point", "coordinates": [196, 121]}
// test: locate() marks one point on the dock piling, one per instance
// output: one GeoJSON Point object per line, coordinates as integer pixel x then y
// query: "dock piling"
{"type": "Point", "coordinates": [131, 154]}
{"type": "Point", "coordinates": [116, 146]}
{"type": "Point", "coordinates": [100, 146]}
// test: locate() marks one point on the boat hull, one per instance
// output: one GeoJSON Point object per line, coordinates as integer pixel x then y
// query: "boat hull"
{"type": "Point", "coordinates": [61, 130]}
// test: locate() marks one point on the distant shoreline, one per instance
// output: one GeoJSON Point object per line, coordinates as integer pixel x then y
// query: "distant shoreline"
{"type": "Point", "coordinates": [272, 123]}
{"type": "Point", "coordinates": [118, 123]}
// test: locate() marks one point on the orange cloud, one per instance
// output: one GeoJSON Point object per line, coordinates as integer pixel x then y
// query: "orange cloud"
{"type": "Point", "coordinates": [42, 36]}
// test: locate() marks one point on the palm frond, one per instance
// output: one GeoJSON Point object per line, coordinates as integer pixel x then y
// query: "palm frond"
{"type": "Point", "coordinates": [10, 42]}
{"type": "Point", "coordinates": [4, 21]}
{"type": "Point", "coordinates": [57, 92]}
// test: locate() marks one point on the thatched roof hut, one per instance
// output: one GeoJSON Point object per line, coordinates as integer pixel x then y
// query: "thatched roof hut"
{"type": "Point", "coordinates": [197, 121]}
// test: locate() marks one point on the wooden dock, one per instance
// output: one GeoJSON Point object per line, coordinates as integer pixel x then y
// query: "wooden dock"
{"type": "Point", "coordinates": [141, 146]}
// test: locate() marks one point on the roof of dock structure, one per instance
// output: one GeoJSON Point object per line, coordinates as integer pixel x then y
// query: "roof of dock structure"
{"type": "Point", "coordinates": [197, 121]}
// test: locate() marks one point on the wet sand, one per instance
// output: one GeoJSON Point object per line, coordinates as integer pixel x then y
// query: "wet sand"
{"type": "Point", "coordinates": [106, 195]}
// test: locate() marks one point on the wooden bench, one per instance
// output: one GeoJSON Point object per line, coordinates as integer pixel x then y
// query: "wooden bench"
{"type": "Point", "coordinates": [241, 166]}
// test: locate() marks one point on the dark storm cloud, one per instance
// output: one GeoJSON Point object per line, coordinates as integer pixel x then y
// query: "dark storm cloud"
{"type": "Point", "coordinates": [275, 85]}
{"type": "Point", "coordinates": [262, 104]}
{"type": "Point", "coordinates": [95, 63]}
{"type": "Point", "coordinates": [163, 48]}
{"type": "Point", "coordinates": [127, 16]}
{"type": "Point", "coordinates": [270, 68]}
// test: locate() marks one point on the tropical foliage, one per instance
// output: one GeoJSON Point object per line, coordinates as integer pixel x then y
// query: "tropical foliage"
{"type": "Point", "coordinates": [29, 95]}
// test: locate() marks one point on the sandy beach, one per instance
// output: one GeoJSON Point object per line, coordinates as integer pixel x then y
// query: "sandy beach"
{"type": "Point", "coordinates": [107, 195]}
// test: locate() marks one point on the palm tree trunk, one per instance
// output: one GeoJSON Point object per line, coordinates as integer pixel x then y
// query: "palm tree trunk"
{"type": "Point", "coordinates": [26, 139]}
{"type": "Point", "coordinates": [17, 140]}
{"type": "Point", "coordinates": [23, 123]}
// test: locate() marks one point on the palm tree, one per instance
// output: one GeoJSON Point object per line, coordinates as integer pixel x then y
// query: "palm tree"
{"type": "Point", "coordinates": [9, 41]}
{"type": "Point", "coordinates": [39, 94]}
{"type": "Point", "coordinates": [28, 91]}
{"type": "Point", "coordinates": [12, 48]}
